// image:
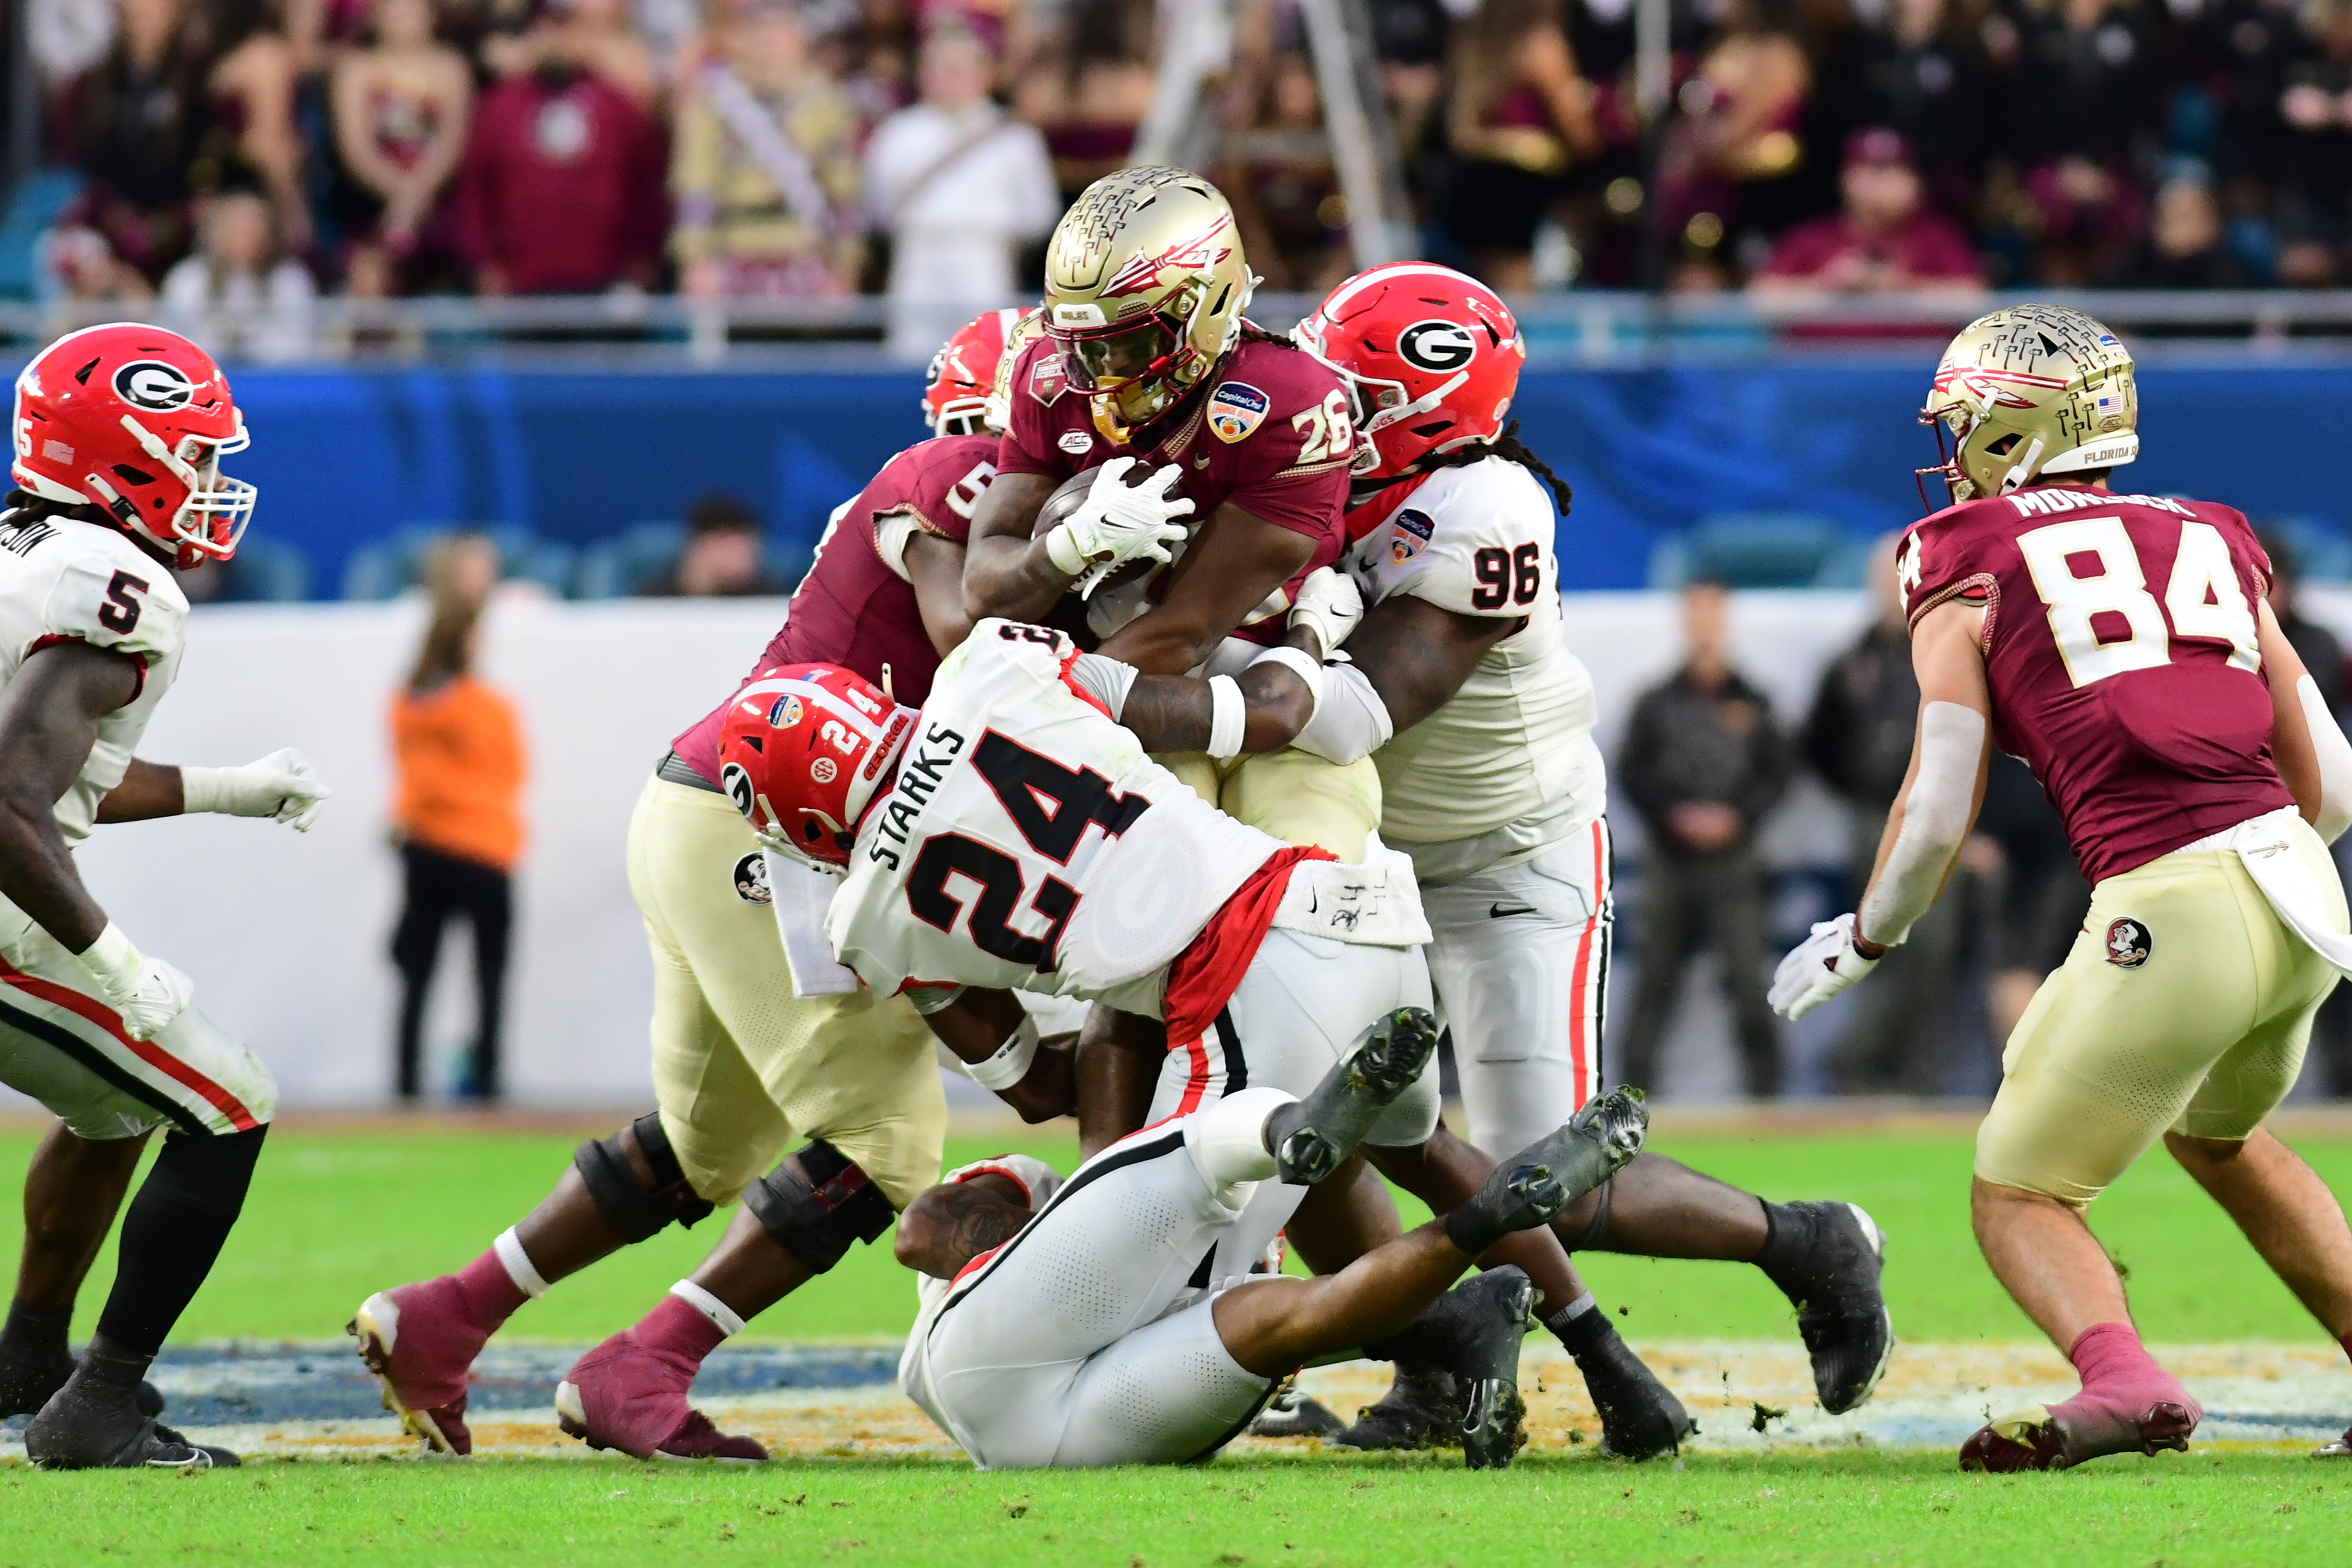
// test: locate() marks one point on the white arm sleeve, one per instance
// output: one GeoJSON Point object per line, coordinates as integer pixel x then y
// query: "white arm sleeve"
{"type": "Point", "coordinates": [1935, 822]}
{"type": "Point", "coordinates": [1107, 680]}
{"type": "Point", "coordinates": [2334, 761]}
{"type": "Point", "coordinates": [891, 535]}
{"type": "Point", "coordinates": [1351, 721]}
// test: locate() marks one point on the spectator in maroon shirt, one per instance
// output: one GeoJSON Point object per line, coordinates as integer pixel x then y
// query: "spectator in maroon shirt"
{"type": "Point", "coordinates": [561, 191]}
{"type": "Point", "coordinates": [1884, 239]}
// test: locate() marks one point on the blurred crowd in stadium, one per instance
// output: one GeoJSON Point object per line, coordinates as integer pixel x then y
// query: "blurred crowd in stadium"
{"type": "Point", "coordinates": [254, 151]}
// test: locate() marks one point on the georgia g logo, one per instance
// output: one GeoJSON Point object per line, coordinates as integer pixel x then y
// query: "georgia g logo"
{"type": "Point", "coordinates": [738, 785]}
{"type": "Point", "coordinates": [153, 385]}
{"type": "Point", "coordinates": [1436, 345]}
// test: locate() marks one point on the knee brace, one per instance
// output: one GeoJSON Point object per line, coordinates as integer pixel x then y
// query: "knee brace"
{"type": "Point", "coordinates": [633, 1210]}
{"type": "Point", "coordinates": [816, 1203]}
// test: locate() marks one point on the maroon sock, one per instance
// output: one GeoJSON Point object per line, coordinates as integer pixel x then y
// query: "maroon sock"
{"type": "Point", "coordinates": [488, 1291]}
{"type": "Point", "coordinates": [2117, 1371]}
{"type": "Point", "coordinates": [678, 1332]}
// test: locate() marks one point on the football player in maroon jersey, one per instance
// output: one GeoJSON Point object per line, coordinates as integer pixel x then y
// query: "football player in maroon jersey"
{"type": "Point", "coordinates": [2121, 645]}
{"type": "Point", "coordinates": [742, 1066]}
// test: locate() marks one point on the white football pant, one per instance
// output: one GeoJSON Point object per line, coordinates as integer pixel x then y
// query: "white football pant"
{"type": "Point", "coordinates": [1089, 1339]}
{"type": "Point", "coordinates": [1521, 967]}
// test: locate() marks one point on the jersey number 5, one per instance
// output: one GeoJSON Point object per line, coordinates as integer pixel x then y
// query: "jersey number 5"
{"type": "Point", "coordinates": [2202, 599]}
{"type": "Point", "coordinates": [120, 613]}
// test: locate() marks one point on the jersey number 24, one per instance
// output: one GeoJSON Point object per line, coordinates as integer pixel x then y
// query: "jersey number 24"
{"type": "Point", "coordinates": [1024, 782]}
{"type": "Point", "coordinates": [2202, 598]}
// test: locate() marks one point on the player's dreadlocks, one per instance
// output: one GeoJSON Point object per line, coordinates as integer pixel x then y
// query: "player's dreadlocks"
{"type": "Point", "coordinates": [1510, 447]}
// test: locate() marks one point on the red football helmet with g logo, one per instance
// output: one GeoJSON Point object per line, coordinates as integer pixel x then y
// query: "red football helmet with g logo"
{"type": "Point", "coordinates": [1430, 357]}
{"type": "Point", "coordinates": [955, 393]}
{"type": "Point", "coordinates": [804, 748]}
{"type": "Point", "coordinates": [134, 420]}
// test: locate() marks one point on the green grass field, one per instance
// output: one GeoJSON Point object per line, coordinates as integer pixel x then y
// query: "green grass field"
{"type": "Point", "coordinates": [336, 1214]}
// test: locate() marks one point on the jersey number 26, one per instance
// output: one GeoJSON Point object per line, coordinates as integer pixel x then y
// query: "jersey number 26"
{"type": "Point", "coordinates": [2202, 598]}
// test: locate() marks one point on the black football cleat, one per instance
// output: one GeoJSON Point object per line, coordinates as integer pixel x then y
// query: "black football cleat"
{"type": "Point", "coordinates": [1310, 1138]}
{"type": "Point", "coordinates": [1834, 1282]}
{"type": "Point", "coordinates": [1532, 1187]}
{"type": "Point", "coordinates": [29, 1378]}
{"type": "Point", "coordinates": [1640, 1417]}
{"type": "Point", "coordinates": [1293, 1412]}
{"type": "Point", "coordinates": [94, 1423]}
{"type": "Point", "coordinates": [1457, 1380]}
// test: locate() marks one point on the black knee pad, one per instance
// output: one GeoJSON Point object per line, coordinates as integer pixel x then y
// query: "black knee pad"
{"type": "Point", "coordinates": [816, 1215]}
{"type": "Point", "coordinates": [633, 1210]}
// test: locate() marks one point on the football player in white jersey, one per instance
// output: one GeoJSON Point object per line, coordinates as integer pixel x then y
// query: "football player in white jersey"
{"type": "Point", "coordinates": [118, 432]}
{"type": "Point", "coordinates": [1482, 720]}
{"type": "Point", "coordinates": [1014, 832]}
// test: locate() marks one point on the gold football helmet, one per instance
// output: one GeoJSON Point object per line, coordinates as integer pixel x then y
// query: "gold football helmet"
{"type": "Point", "coordinates": [2029, 391]}
{"type": "Point", "coordinates": [1145, 287]}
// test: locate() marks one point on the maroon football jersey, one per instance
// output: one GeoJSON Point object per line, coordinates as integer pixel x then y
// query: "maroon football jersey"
{"type": "Point", "coordinates": [852, 609]}
{"type": "Point", "coordinates": [1268, 431]}
{"type": "Point", "coordinates": [2120, 645]}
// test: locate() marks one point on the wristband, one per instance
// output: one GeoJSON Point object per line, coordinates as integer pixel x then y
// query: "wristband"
{"type": "Point", "coordinates": [1303, 664]}
{"type": "Point", "coordinates": [1011, 1063]}
{"type": "Point", "coordinates": [114, 961]}
{"type": "Point", "coordinates": [1063, 551]}
{"type": "Point", "coordinates": [204, 790]}
{"type": "Point", "coordinates": [1228, 714]}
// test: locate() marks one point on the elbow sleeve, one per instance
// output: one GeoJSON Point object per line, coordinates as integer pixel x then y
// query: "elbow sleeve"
{"type": "Point", "coordinates": [2335, 814]}
{"type": "Point", "coordinates": [1935, 822]}
{"type": "Point", "coordinates": [1350, 722]}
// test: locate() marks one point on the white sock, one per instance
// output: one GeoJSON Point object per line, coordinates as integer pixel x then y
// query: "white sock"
{"type": "Point", "coordinates": [509, 1247]}
{"type": "Point", "coordinates": [722, 1316]}
{"type": "Point", "coordinates": [1227, 1142]}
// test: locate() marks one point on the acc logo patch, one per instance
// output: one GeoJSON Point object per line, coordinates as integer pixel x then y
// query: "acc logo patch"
{"type": "Point", "coordinates": [752, 880]}
{"type": "Point", "coordinates": [1436, 346]}
{"type": "Point", "coordinates": [2130, 944]}
{"type": "Point", "coordinates": [1076, 443]}
{"type": "Point", "coordinates": [786, 712]}
{"type": "Point", "coordinates": [155, 385]}
{"type": "Point", "coordinates": [1236, 409]}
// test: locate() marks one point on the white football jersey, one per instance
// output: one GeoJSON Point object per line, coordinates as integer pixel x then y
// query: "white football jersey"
{"type": "Point", "coordinates": [1511, 756]}
{"type": "Point", "coordinates": [65, 580]}
{"type": "Point", "coordinates": [1028, 841]}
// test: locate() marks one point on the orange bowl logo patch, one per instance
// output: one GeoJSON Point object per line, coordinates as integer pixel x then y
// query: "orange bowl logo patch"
{"type": "Point", "coordinates": [1236, 409]}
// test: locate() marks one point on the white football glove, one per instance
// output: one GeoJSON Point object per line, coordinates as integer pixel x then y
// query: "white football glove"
{"type": "Point", "coordinates": [1330, 602]}
{"type": "Point", "coordinates": [148, 992]}
{"type": "Point", "coordinates": [282, 786]}
{"type": "Point", "coordinates": [1119, 523]}
{"type": "Point", "coordinates": [1818, 968]}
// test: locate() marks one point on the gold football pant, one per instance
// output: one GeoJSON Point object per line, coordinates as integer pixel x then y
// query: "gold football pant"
{"type": "Point", "coordinates": [741, 1069]}
{"type": "Point", "coordinates": [1296, 796]}
{"type": "Point", "coordinates": [2202, 1036]}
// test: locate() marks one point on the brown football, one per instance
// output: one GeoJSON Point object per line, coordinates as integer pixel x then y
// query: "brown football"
{"type": "Point", "coordinates": [1071, 494]}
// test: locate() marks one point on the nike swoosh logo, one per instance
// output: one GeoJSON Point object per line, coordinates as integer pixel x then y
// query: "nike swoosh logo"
{"type": "Point", "coordinates": [1199, 462]}
{"type": "Point", "coordinates": [1497, 912]}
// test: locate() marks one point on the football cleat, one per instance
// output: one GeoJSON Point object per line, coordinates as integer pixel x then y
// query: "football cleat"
{"type": "Point", "coordinates": [2087, 1427]}
{"type": "Point", "coordinates": [420, 1343]}
{"type": "Point", "coordinates": [29, 1378]}
{"type": "Point", "coordinates": [1422, 1409]}
{"type": "Point", "coordinates": [2339, 1450]}
{"type": "Point", "coordinates": [1841, 1312]}
{"type": "Point", "coordinates": [1640, 1417]}
{"type": "Point", "coordinates": [1534, 1186]}
{"type": "Point", "coordinates": [1457, 1375]}
{"type": "Point", "coordinates": [623, 1395]}
{"type": "Point", "coordinates": [94, 1423]}
{"type": "Point", "coordinates": [1293, 1412]}
{"type": "Point", "coordinates": [1310, 1138]}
